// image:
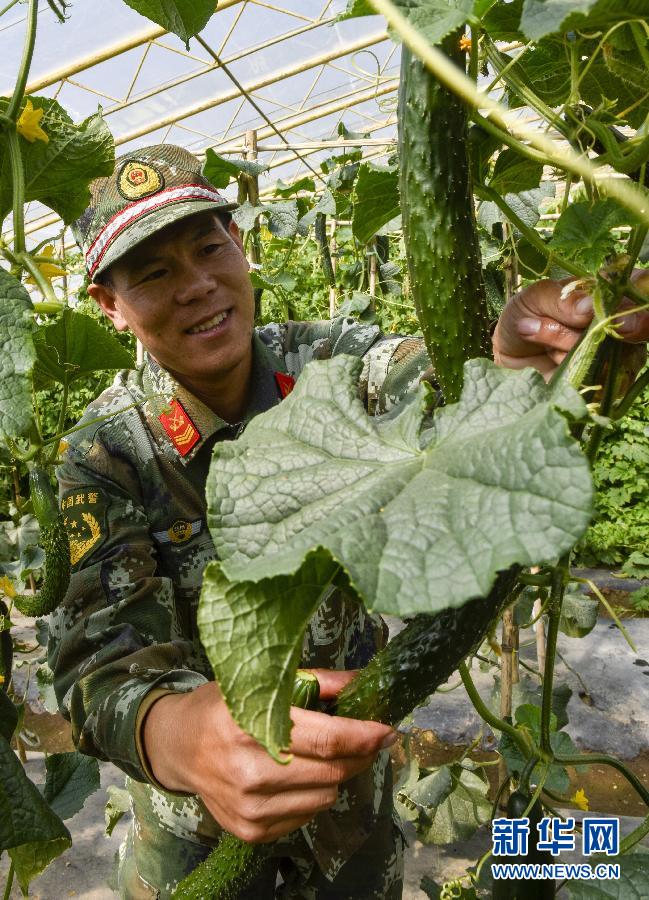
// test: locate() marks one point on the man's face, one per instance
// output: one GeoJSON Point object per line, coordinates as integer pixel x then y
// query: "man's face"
{"type": "Point", "coordinates": [186, 294]}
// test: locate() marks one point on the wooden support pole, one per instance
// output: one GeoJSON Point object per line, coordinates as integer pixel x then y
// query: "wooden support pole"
{"type": "Point", "coordinates": [333, 300]}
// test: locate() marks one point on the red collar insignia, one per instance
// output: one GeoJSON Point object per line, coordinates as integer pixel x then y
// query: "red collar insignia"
{"type": "Point", "coordinates": [179, 427]}
{"type": "Point", "coordinates": [285, 383]}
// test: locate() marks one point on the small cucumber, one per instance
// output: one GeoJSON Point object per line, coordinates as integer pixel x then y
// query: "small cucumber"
{"type": "Point", "coordinates": [54, 541]}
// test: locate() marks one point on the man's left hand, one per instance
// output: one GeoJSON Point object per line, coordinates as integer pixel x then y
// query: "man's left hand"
{"type": "Point", "coordinates": [538, 326]}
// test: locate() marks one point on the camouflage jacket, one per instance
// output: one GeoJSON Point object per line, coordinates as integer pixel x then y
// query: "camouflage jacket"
{"type": "Point", "coordinates": [132, 490]}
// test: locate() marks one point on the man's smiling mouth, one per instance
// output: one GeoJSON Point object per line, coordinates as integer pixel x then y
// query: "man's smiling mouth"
{"type": "Point", "coordinates": [209, 324]}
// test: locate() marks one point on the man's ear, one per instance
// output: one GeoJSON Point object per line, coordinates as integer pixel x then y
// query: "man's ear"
{"type": "Point", "coordinates": [235, 234]}
{"type": "Point", "coordinates": [105, 297]}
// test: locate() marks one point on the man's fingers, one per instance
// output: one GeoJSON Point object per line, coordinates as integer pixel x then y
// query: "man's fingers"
{"type": "Point", "coordinates": [548, 334]}
{"type": "Point", "coordinates": [319, 736]}
{"type": "Point", "coordinates": [332, 681]}
{"type": "Point", "coordinates": [633, 327]}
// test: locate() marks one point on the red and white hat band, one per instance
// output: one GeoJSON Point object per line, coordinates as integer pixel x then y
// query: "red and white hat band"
{"type": "Point", "coordinates": [140, 208]}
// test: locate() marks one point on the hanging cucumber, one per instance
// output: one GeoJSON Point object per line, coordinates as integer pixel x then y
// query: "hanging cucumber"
{"type": "Point", "coordinates": [54, 541]}
{"type": "Point", "coordinates": [439, 220]}
{"type": "Point", "coordinates": [421, 657]}
{"type": "Point", "coordinates": [234, 863]}
{"type": "Point", "coordinates": [523, 888]}
{"type": "Point", "coordinates": [6, 650]}
{"type": "Point", "coordinates": [320, 231]}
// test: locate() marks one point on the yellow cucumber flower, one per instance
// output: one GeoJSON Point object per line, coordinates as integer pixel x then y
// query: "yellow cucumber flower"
{"type": "Point", "coordinates": [28, 126]}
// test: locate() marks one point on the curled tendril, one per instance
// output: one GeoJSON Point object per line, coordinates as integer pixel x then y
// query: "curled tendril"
{"type": "Point", "coordinates": [59, 8]}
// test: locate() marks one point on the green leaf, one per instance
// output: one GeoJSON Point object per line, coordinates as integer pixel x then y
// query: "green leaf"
{"type": "Point", "coordinates": [433, 18]}
{"type": "Point", "coordinates": [239, 650]}
{"type": "Point", "coordinates": [270, 282]}
{"type": "Point", "coordinates": [8, 716]}
{"type": "Point", "coordinates": [377, 200]}
{"type": "Point", "coordinates": [220, 170]}
{"type": "Point", "coordinates": [633, 883]}
{"type": "Point", "coordinates": [183, 17]}
{"type": "Point", "coordinates": [526, 205]}
{"type": "Point", "coordinates": [356, 8]}
{"type": "Point", "coordinates": [583, 232]}
{"type": "Point", "coordinates": [326, 204]}
{"type": "Point", "coordinates": [529, 716]}
{"type": "Point", "coordinates": [579, 614]}
{"type": "Point", "coordinates": [76, 345]}
{"type": "Point", "coordinates": [402, 512]}
{"type": "Point", "coordinates": [451, 803]}
{"type": "Point", "coordinates": [496, 480]}
{"type": "Point", "coordinates": [436, 18]}
{"type": "Point", "coordinates": [282, 218]}
{"type": "Point", "coordinates": [18, 356]}
{"type": "Point", "coordinates": [289, 190]}
{"type": "Point", "coordinates": [117, 805]}
{"type": "Point", "coordinates": [32, 833]}
{"type": "Point", "coordinates": [70, 779]}
{"type": "Point", "coordinates": [502, 21]}
{"type": "Point", "coordinates": [514, 173]}
{"type": "Point", "coordinates": [541, 17]}
{"type": "Point", "coordinates": [57, 173]}
{"type": "Point", "coordinates": [246, 215]}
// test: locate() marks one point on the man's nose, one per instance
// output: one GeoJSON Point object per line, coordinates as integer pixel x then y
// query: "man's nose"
{"type": "Point", "coordinates": [193, 283]}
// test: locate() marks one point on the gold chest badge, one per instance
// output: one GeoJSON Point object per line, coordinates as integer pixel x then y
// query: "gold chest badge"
{"type": "Point", "coordinates": [84, 521]}
{"type": "Point", "coordinates": [137, 180]}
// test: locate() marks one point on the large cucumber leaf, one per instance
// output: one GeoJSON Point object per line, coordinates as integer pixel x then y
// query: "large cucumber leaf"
{"type": "Point", "coordinates": [419, 516]}
{"type": "Point", "coordinates": [32, 833]}
{"type": "Point", "coordinates": [76, 345]}
{"type": "Point", "coordinates": [184, 17]}
{"type": "Point", "coordinates": [541, 17]}
{"type": "Point", "coordinates": [17, 359]}
{"type": "Point", "coordinates": [71, 778]}
{"type": "Point", "coordinates": [633, 883]}
{"type": "Point", "coordinates": [377, 200]}
{"type": "Point", "coordinates": [57, 173]}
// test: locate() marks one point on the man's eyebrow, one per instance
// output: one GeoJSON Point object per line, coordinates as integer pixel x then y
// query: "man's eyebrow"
{"type": "Point", "coordinates": [207, 228]}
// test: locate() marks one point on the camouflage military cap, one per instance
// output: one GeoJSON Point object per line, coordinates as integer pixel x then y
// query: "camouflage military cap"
{"type": "Point", "coordinates": [149, 189]}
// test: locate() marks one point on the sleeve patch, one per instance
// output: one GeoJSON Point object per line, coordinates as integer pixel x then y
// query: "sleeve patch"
{"type": "Point", "coordinates": [84, 517]}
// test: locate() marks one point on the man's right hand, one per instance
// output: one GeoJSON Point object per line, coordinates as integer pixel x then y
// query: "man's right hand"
{"type": "Point", "coordinates": [193, 744]}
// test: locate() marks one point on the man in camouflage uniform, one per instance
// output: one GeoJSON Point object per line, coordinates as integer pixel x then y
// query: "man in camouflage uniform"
{"type": "Point", "coordinates": [130, 673]}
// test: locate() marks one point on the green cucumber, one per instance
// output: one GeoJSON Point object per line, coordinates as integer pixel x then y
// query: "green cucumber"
{"type": "Point", "coordinates": [422, 657]}
{"type": "Point", "coordinates": [439, 224]}
{"type": "Point", "coordinates": [233, 864]}
{"type": "Point", "coordinates": [54, 541]}
{"type": "Point", "coordinates": [320, 231]}
{"type": "Point", "coordinates": [522, 888]}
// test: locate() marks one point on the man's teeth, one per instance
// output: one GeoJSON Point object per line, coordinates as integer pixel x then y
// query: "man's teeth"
{"type": "Point", "coordinates": [211, 323]}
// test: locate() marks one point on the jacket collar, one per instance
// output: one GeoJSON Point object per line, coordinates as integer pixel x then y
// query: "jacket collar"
{"type": "Point", "coordinates": [181, 423]}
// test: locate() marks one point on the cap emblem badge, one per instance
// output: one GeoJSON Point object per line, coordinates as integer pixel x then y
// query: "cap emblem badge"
{"type": "Point", "coordinates": [138, 179]}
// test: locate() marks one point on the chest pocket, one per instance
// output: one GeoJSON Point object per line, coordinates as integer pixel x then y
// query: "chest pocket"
{"type": "Point", "coordinates": [183, 551]}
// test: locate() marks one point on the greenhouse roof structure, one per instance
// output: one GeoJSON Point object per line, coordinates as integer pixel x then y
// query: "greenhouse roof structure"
{"type": "Point", "coordinates": [285, 69]}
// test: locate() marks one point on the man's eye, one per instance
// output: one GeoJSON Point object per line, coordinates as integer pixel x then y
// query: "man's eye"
{"type": "Point", "coordinates": [208, 249]}
{"type": "Point", "coordinates": [153, 276]}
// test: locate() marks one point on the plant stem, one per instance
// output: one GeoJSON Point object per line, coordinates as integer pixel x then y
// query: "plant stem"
{"type": "Point", "coordinates": [631, 396]}
{"type": "Point", "coordinates": [627, 193]}
{"type": "Point", "coordinates": [508, 139]}
{"type": "Point", "coordinates": [9, 6]}
{"type": "Point", "coordinates": [486, 714]}
{"type": "Point", "coordinates": [18, 188]}
{"type": "Point", "coordinates": [44, 286]}
{"type": "Point", "coordinates": [10, 881]}
{"type": "Point", "coordinates": [587, 759]}
{"type": "Point", "coordinates": [554, 616]}
{"type": "Point", "coordinates": [61, 422]}
{"type": "Point", "coordinates": [636, 835]}
{"type": "Point", "coordinates": [25, 63]}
